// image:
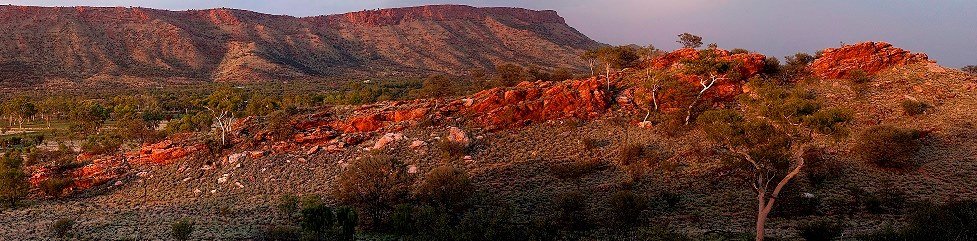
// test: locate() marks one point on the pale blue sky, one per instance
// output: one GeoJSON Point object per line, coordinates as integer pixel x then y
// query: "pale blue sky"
{"type": "Point", "coordinates": [944, 29]}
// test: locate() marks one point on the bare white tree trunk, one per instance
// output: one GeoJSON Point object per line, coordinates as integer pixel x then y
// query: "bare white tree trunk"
{"type": "Point", "coordinates": [706, 84]}
{"type": "Point", "coordinates": [765, 204]}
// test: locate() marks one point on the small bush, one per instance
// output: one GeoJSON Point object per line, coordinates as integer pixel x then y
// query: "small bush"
{"type": "Point", "coordinates": [102, 144]}
{"type": "Point", "coordinates": [630, 153]}
{"type": "Point", "coordinates": [452, 150]}
{"type": "Point", "coordinates": [590, 143]}
{"type": "Point", "coordinates": [571, 211]}
{"type": "Point", "coordinates": [820, 167]}
{"type": "Point", "coordinates": [13, 180]}
{"type": "Point", "coordinates": [828, 121]}
{"type": "Point", "coordinates": [182, 229]}
{"type": "Point", "coordinates": [914, 107]}
{"type": "Point", "coordinates": [373, 184]}
{"type": "Point", "coordinates": [575, 169]}
{"type": "Point", "coordinates": [889, 146]}
{"type": "Point", "coordinates": [62, 227]}
{"type": "Point", "coordinates": [317, 219]}
{"type": "Point", "coordinates": [347, 219]}
{"type": "Point", "coordinates": [820, 230]}
{"type": "Point", "coordinates": [288, 205]}
{"type": "Point", "coordinates": [627, 207]}
{"type": "Point", "coordinates": [446, 187]}
{"type": "Point", "coordinates": [882, 202]}
{"type": "Point", "coordinates": [952, 221]}
{"type": "Point", "coordinates": [56, 186]}
{"type": "Point", "coordinates": [859, 77]}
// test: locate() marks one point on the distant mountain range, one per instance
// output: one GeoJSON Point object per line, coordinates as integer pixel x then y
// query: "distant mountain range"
{"type": "Point", "coordinates": [139, 45]}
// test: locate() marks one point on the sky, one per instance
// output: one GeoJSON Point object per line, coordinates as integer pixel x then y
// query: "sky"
{"type": "Point", "coordinates": [944, 29]}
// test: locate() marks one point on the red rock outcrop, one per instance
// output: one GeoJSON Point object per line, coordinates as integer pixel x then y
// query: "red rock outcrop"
{"type": "Point", "coordinates": [871, 57]}
{"type": "Point", "coordinates": [747, 65]}
{"type": "Point", "coordinates": [539, 101]}
{"type": "Point", "coordinates": [165, 152]}
{"type": "Point", "coordinates": [100, 171]}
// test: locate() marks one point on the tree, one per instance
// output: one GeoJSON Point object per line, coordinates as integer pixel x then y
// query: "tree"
{"type": "Point", "coordinates": [21, 109]}
{"type": "Point", "coordinates": [655, 80]}
{"type": "Point", "coordinates": [972, 69]}
{"type": "Point", "coordinates": [13, 179]}
{"type": "Point", "coordinates": [710, 68]}
{"type": "Point", "coordinates": [614, 57]}
{"type": "Point", "coordinates": [374, 184]}
{"type": "Point", "coordinates": [510, 74]}
{"type": "Point", "coordinates": [689, 40]}
{"type": "Point", "coordinates": [771, 145]}
{"type": "Point", "coordinates": [224, 104]}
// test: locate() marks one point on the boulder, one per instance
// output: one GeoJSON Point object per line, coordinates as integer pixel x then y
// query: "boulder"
{"type": "Point", "coordinates": [455, 134]}
{"type": "Point", "coordinates": [387, 139]}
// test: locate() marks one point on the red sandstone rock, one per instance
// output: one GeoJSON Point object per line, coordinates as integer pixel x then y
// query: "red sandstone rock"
{"type": "Point", "coordinates": [539, 101]}
{"type": "Point", "coordinates": [871, 57]}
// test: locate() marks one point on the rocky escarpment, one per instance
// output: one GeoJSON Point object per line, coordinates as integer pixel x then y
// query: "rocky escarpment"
{"type": "Point", "coordinates": [97, 43]}
{"type": "Point", "coordinates": [870, 57]}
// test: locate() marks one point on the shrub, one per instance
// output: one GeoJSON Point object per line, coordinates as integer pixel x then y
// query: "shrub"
{"type": "Point", "coordinates": [914, 107]}
{"type": "Point", "coordinates": [886, 201]}
{"type": "Point", "coordinates": [288, 205]}
{"type": "Point", "coordinates": [55, 186]}
{"type": "Point", "coordinates": [102, 144]}
{"type": "Point", "coordinates": [590, 143]}
{"type": "Point", "coordinates": [627, 207]}
{"type": "Point", "coordinates": [575, 169]}
{"type": "Point", "coordinates": [793, 202]}
{"type": "Point", "coordinates": [859, 77]}
{"type": "Point", "coordinates": [630, 153]}
{"type": "Point", "coordinates": [820, 168]}
{"type": "Point", "coordinates": [347, 219]}
{"type": "Point", "coordinates": [971, 69]}
{"type": "Point", "coordinates": [889, 146]}
{"type": "Point", "coordinates": [571, 211]}
{"type": "Point", "coordinates": [820, 230]}
{"type": "Point", "coordinates": [13, 180]}
{"type": "Point", "coordinates": [446, 187]}
{"type": "Point", "coordinates": [373, 184]}
{"type": "Point", "coordinates": [62, 227]}
{"type": "Point", "coordinates": [452, 150]}
{"type": "Point", "coordinates": [952, 221]}
{"type": "Point", "coordinates": [317, 219]}
{"type": "Point", "coordinates": [182, 229]}
{"type": "Point", "coordinates": [828, 121]}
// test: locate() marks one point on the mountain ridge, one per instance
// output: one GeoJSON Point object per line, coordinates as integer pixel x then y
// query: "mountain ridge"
{"type": "Point", "coordinates": [82, 44]}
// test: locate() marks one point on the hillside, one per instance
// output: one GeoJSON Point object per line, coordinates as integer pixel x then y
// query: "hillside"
{"type": "Point", "coordinates": [528, 147]}
{"type": "Point", "coordinates": [139, 46]}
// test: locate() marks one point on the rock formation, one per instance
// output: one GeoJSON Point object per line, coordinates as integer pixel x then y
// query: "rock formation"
{"type": "Point", "coordinates": [871, 57]}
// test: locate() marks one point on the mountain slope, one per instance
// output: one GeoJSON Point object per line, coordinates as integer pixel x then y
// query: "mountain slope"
{"type": "Point", "coordinates": [79, 43]}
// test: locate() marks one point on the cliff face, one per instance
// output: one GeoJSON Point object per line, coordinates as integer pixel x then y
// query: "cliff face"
{"type": "Point", "coordinates": [79, 43]}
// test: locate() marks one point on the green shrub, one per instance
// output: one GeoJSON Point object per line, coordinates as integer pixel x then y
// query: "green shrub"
{"type": "Point", "coordinates": [828, 121]}
{"type": "Point", "coordinates": [627, 207]}
{"type": "Point", "coordinates": [347, 219]}
{"type": "Point", "coordinates": [182, 229]}
{"type": "Point", "coordinates": [820, 230]}
{"type": "Point", "coordinates": [62, 227]}
{"type": "Point", "coordinates": [55, 186]}
{"type": "Point", "coordinates": [914, 107]}
{"type": "Point", "coordinates": [445, 187]}
{"type": "Point", "coordinates": [13, 180]}
{"type": "Point", "coordinates": [317, 219]}
{"type": "Point", "coordinates": [102, 144]}
{"type": "Point", "coordinates": [889, 146]}
{"type": "Point", "coordinates": [373, 185]}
